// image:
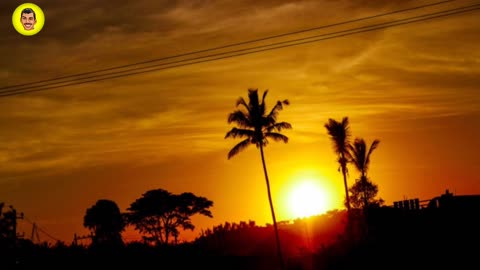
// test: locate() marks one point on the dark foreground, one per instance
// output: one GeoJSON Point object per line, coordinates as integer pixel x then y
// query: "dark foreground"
{"type": "Point", "coordinates": [383, 238]}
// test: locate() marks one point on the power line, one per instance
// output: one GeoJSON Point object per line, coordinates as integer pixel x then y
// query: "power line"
{"type": "Point", "coordinates": [44, 86]}
{"type": "Point", "coordinates": [233, 44]}
{"type": "Point", "coordinates": [23, 217]}
{"type": "Point", "coordinates": [350, 32]}
{"type": "Point", "coordinates": [14, 91]}
{"type": "Point", "coordinates": [252, 49]}
{"type": "Point", "coordinates": [153, 67]}
{"type": "Point", "coordinates": [41, 230]}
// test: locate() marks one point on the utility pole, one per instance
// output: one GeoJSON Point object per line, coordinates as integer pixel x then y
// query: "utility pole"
{"type": "Point", "coordinates": [77, 237]}
{"type": "Point", "coordinates": [15, 217]}
{"type": "Point", "coordinates": [34, 233]}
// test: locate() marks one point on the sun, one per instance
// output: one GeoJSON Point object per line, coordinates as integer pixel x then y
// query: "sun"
{"type": "Point", "coordinates": [307, 198]}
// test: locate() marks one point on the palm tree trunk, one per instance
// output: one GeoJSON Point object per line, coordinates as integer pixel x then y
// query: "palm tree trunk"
{"type": "Point", "coordinates": [344, 172]}
{"type": "Point", "coordinates": [279, 249]}
{"type": "Point", "coordinates": [347, 198]}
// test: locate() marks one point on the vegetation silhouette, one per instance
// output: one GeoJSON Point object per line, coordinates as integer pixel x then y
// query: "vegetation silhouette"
{"type": "Point", "coordinates": [442, 232]}
{"type": "Point", "coordinates": [363, 190]}
{"type": "Point", "coordinates": [106, 223]}
{"type": "Point", "coordinates": [435, 233]}
{"type": "Point", "coordinates": [159, 214]}
{"type": "Point", "coordinates": [363, 194]}
{"type": "Point", "coordinates": [340, 135]}
{"type": "Point", "coordinates": [7, 224]}
{"type": "Point", "coordinates": [255, 126]}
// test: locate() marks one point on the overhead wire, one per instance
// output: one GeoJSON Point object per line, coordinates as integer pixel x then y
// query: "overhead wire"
{"type": "Point", "coordinates": [245, 51]}
{"type": "Point", "coordinates": [233, 44]}
{"type": "Point", "coordinates": [41, 229]}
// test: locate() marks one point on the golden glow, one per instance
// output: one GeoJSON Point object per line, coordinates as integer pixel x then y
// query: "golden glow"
{"type": "Point", "coordinates": [117, 139]}
{"type": "Point", "coordinates": [308, 198]}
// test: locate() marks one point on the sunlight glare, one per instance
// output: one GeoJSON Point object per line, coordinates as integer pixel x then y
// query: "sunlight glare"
{"type": "Point", "coordinates": [307, 199]}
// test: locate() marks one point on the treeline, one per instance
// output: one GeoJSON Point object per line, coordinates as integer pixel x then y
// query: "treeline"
{"type": "Point", "coordinates": [158, 216]}
{"type": "Point", "coordinates": [230, 245]}
{"type": "Point", "coordinates": [426, 237]}
{"type": "Point", "coordinates": [300, 236]}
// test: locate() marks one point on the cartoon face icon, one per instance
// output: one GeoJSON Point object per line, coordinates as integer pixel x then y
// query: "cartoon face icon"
{"type": "Point", "coordinates": [28, 19]}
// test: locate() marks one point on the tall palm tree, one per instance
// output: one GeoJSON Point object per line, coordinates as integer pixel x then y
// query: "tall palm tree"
{"type": "Point", "coordinates": [360, 157]}
{"type": "Point", "coordinates": [340, 135]}
{"type": "Point", "coordinates": [256, 126]}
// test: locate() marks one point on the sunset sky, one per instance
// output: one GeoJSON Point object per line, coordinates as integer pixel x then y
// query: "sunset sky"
{"type": "Point", "coordinates": [414, 87]}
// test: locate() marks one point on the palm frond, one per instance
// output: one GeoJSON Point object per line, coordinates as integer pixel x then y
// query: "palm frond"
{"type": "Point", "coordinates": [339, 133]}
{"type": "Point", "coordinates": [240, 133]}
{"type": "Point", "coordinates": [357, 154]}
{"type": "Point", "coordinates": [239, 117]}
{"type": "Point", "coordinates": [241, 101]}
{"type": "Point", "coordinates": [272, 116]}
{"type": "Point", "coordinates": [253, 124]}
{"type": "Point", "coordinates": [353, 155]}
{"type": "Point", "coordinates": [373, 146]}
{"type": "Point", "coordinates": [278, 126]}
{"type": "Point", "coordinates": [264, 96]}
{"type": "Point", "coordinates": [239, 147]}
{"type": "Point", "coordinates": [276, 136]}
{"type": "Point", "coordinates": [360, 157]}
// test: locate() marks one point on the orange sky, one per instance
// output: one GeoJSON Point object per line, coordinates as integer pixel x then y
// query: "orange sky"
{"type": "Point", "coordinates": [413, 87]}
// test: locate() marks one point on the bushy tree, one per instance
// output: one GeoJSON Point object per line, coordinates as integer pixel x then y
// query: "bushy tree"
{"type": "Point", "coordinates": [363, 194]}
{"type": "Point", "coordinates": [106, 222]}
{"type": "Point", "coordinates": [159, 214]}
{"type": "Point", "coordinates": [7, 223]}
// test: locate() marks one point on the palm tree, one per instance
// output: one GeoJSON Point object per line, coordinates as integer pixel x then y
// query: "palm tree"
{"type": "Point", "coordinates": [340, 135]}
{"type": "Point", "coordinates": [256, 126]}
{"type": "Point", "coordinates": [360, 157]}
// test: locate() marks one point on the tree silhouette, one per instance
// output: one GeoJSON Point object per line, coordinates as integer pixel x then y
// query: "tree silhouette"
{"type": "Point", "coordinates": [106, 222]}
{"type": "Point", "coordinates": [340, 135]}
{"type": "Point", "coordinates": [6, 222]}
{"type": "Point", "coordinates": [256, 126]}
{"type": "Point", "coordinates": [159, 213]}
{"type": "Point", "coordinates": [362, 191]}
{"type": "Point", "coordinates": [7, 226]}
{"type": "Point", "coordinates": [360, 157]}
